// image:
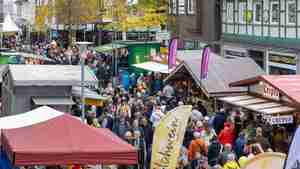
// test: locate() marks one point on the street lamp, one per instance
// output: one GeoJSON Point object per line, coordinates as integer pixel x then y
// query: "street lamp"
{"type": "Point", "coordinates": [82, 48]}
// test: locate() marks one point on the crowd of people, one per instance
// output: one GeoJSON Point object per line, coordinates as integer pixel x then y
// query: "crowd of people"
{"type": "Point", "coordinates": [224, 139]}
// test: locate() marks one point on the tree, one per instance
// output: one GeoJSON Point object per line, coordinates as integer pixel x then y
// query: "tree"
{"type": "Point", "coordinates": [72, 13]}
{"type": "Point", "coordinates": [144, 14]}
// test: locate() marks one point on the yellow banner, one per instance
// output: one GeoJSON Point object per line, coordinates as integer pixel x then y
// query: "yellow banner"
{"type": "Point", "coordinates": [168, 138]}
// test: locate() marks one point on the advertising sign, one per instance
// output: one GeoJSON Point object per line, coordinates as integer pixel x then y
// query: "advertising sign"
{"type": "Point", "coordinates": [168, 138]}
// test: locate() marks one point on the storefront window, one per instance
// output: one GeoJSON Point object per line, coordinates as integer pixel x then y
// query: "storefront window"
{"type": "Point", "coordinates": [275, 12]}
{"type": "Point", "coordinates": [292, 8]}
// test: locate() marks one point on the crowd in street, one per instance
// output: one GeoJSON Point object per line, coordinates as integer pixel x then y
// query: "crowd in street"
{"type": "Point", "coordinates": [224, 139]}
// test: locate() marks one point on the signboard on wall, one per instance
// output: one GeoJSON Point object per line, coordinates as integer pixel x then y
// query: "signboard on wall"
{"type": "Point", "coordinates": [270, 92]}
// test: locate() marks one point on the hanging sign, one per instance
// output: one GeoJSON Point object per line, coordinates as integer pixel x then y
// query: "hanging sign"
{"type": "Point", "coordinates": [274, 120]}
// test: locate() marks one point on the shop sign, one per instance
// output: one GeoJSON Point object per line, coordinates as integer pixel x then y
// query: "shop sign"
{"type": "Point", "coordinates": [266, 91]}
{"type": "Point", "coordinates": [270, 92]}
{"type": "Point", "coordinates": [274, 120]}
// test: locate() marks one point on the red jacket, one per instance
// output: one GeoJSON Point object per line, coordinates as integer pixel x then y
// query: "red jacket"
{"type": "Point", "coordinates": [226, 136]}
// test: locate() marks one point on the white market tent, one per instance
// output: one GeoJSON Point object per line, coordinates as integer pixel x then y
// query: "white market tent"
{"type": "Point", "coordinates": [35, 116]}
{"type": "Point", "coordinates": [9, 25]}
{"type": "Point", "coordinates": [153, 67]}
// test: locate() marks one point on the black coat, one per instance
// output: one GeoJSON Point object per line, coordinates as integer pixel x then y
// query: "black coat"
{"type": "Point", "coordinates": [219, 121]}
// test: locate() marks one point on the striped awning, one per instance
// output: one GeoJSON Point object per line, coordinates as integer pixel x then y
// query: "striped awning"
{"type": "Point", "coordinates": [257, 104]}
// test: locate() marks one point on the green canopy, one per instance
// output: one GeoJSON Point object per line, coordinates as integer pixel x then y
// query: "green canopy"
{"type": "Point", "coordinates": [109, 47]}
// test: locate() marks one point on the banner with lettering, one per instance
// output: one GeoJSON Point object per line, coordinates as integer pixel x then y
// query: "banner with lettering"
{"type": "Point", "coordinates": [168, 138]}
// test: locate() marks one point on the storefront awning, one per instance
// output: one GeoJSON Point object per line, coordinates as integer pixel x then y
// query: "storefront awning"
{"type": "Point", "coordinates": [88, 93]}
{"type": "Point", "coordinates": [109, 47]}
{"type": "Point", "coordinates": [256, 104]}
{"type": "Point", "coordinates": [42, 101]}
{"type": "Point", "coordinates": [153, 67]}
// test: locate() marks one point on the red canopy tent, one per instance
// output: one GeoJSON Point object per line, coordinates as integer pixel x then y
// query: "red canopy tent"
{"type": "Point", "coordinates": [65, 140]}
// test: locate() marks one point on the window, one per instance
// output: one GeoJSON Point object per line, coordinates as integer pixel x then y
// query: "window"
{"type": "Point", "coordinates": [229, 11]}
{"type": "Point", "coordinates": [275, 12]}
{"type": "Point", "coordinates": [190, 6]}
{"type": "Point", "coordinates": [181, 7]}
{"type": "Point", "coordinates": [173, 7]}
{"type": "Point", "coordinates": [292, 11]}
{"type": "Point", "coordinates": [258, 12]}
{"type": "Point", "coordinates": [242, 11]}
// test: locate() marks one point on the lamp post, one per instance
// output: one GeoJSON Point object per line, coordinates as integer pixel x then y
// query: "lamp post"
{"type": "Point", "coordinates": [82, 48]}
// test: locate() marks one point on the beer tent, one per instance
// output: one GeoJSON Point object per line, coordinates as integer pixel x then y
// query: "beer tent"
{"type": "Point", "coordinates": [65, 140]}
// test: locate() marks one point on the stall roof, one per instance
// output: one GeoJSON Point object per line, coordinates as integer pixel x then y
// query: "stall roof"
{"type": "Point", "coordinates": [153, 67]}
{"type": "Point", "coordinates": [50, 75]}
{"type": "Point", "coordinates": [35, 116]}
{"type": "Point", "coordinates": [286, 84]}
{"type": "Point", "coordinates": [253, 103]}
{"type": "Point", "coordinates": [65, 140]}
{"type": "Point", "coordinates": [109, 47]}
{"type": "Point", "coordinates": [43, 101]}
{"type": "Point", "coordinates": [9, 25]}
{"type": "Point", "coordinates": [221, 71]}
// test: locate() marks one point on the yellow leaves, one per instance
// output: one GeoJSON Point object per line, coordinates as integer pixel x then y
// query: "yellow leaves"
{"type": "Point", "coordinates": [42, 15]}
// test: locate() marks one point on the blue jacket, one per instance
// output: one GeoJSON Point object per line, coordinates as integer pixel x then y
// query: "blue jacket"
{"type": "Point", "coordinates": [239, 146]}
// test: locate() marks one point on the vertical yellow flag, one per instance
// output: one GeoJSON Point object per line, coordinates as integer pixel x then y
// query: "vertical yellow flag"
{"type": "Point", "coordinates": [168, 138]}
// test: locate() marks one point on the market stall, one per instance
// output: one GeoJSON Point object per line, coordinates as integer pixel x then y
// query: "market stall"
{"type": "Point", "coordinates": [221, 72]}
{"type": "Point", "coordinates": [65, 140]}
{"type": "Point", "coordinates": [276, 98]}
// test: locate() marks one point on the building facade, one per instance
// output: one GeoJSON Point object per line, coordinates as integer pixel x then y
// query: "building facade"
{"type": "Point", "coordinates": [1, 11]}
{"type": "Point", "coordinates": [195, 23]}
{"type": "Point", "coordinates": [266, 30]}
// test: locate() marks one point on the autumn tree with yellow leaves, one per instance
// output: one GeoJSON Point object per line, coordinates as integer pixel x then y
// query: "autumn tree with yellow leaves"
{"type": "Point", "coordinates": [144, 14]}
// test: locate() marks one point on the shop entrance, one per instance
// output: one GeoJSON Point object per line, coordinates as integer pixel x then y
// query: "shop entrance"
{"type": "Point", "coordinates": [258, 57]}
